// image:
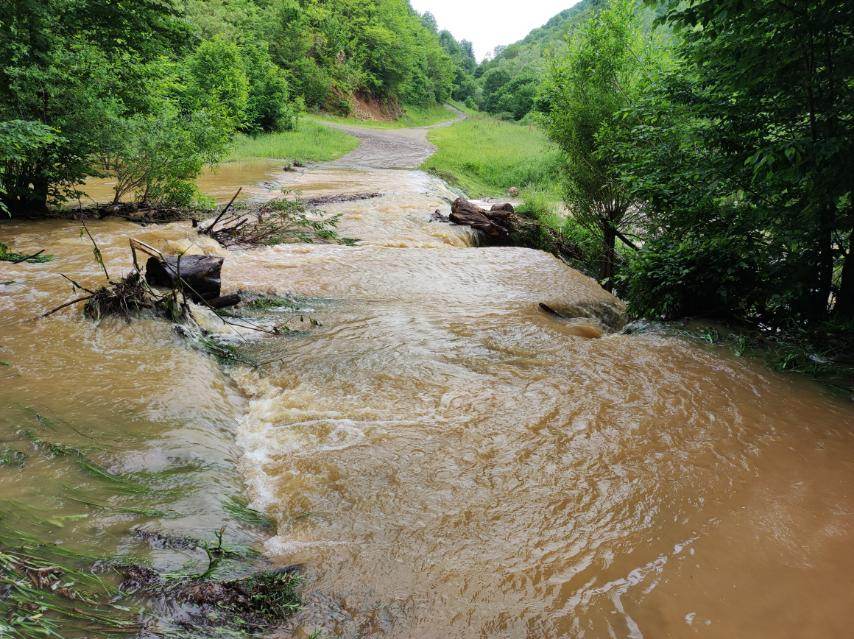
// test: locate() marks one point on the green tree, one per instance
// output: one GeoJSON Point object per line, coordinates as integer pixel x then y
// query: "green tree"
{"type": "Point", "coordinates": [269, 107]}
{"type": "Point", "coordinates": [216, 81]}
{"type": "Point", "coordinates": [609, 62]}
{"type": "Point", "coordinates": [156, 156]}
{"type": "Point", "coordinates": [70, 65]}
{"type": "Point", "coordinates": [20, 143]}
{"type": "Point", "coordinates": [777, 79]}
{"type": "Point", "coordinates": [744, 159]}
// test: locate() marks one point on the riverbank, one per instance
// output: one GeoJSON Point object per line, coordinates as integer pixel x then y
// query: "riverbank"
{"type": "Point", "coordinates": [485, 157]}
{"type": "Point", "coordinates": [412, 117]}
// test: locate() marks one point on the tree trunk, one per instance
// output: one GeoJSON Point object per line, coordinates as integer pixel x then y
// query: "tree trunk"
{"type": "Point", "coordinates": [845, 299]}
{"type": "Point", "coordinates": [502, 226]}
{"type": "Point", "coordinates": [470, 214]}
{"type": "Point", "coordinates": [609, 257]}
{"type": "Point", "coordinates": [823, 282]}
{"type": "Point", "coordinates": [200, 275]}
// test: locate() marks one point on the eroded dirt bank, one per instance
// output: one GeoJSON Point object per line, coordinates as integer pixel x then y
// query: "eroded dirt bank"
{"type": "Point", "coordinates": [445, 459]}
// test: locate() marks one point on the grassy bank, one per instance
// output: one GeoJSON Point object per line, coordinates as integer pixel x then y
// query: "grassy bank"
{"type": "Point", "coordinates": [412, 117]}
{"type": "Point", "coordinates": [485, 157]}
{"type": "Point", "coordinates": [310, 142]}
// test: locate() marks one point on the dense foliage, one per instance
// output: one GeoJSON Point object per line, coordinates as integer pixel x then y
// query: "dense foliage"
{"type": "Point", "coordinates": [151, 90]}
{"type": "Point", "coordinates": [609, 63]}
{"type": "Point", "coordinates": [733, 154]}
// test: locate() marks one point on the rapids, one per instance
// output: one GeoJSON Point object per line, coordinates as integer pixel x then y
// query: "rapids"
{"type": "Point", "coordinates": [444, 459]}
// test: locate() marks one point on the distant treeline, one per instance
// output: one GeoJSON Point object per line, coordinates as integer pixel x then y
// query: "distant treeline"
{"type": "Point", "coordinates": [507, 83]}
{"type": "Point", "coordinates": [150, 90]}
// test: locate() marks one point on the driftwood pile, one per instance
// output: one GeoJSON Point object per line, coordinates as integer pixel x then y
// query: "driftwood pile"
{"type": "Point", "coordinates": [502, 226]}
{"type": "Point", "coordinates": [134, 212]}
{"type": "Point", "coordinates": [278, 221]}
{"type": "Point", "coordinates": [341, 197]}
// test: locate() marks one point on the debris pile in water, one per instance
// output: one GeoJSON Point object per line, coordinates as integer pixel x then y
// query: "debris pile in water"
{"type": "Point", "coordinates": [275, 222]}
{"type": "Point", "coordinates": [502, 226]}
{"type": "Point", "coordinates": [38, 257]}
{"type": "Point", "coordinates": [126, 297]}
{"type": "Point", "coordinates": [251, 603]}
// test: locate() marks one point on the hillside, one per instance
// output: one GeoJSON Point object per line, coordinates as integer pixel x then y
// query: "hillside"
{"type": "Point", "coordinates": [342, 55]}
{"type": "Point", "coordinates": [508, 82]}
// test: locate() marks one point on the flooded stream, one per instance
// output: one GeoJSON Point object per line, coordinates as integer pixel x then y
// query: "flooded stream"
{"type": "Point", "coordinates": [444, 459]}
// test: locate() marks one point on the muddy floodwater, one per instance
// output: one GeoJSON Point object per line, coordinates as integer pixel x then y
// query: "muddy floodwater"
{"type": "Point", "coordinates": [442, 458]}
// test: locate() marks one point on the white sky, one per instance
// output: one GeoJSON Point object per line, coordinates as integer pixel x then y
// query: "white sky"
{"type": "Point", "coordinates": [488, 23]}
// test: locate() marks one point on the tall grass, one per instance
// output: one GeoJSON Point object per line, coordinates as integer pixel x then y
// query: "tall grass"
{"type": "Point", "coordinates": [310, 142]}
{"type": "Point", "coordinates": [413, 116]}
{"type": "Point", "coordinates": [485, 157]}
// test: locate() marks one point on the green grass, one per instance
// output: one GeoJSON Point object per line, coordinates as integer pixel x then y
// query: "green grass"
{"type": "Point", "coordinates": [310, 142]}
{"type": "Point", "coordinates": [485, 157]}
{"type": "Point", "coordinates": [238, 507]}
{"type": "Point", "coordinates": [413, 117]}
{"type": "Point", "coordinates": [10, 256]}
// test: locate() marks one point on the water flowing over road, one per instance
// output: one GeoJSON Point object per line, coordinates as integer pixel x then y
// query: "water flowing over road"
{"type": "Point", "coordinates": [445, 460]}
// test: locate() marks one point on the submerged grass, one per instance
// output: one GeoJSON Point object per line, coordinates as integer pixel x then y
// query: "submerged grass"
{"type": "Point", "coordinates": [11, 457]}
{"type": "Point", "coordinates": [56, 582]}
{"type": "Point", "coordinates": [120, 482]}
{"type": "Point", "coordinates": [828, 361]}
{"type": "Point", "coordinates": [10, 256]}
{"type": "Point", "coordinates": [310, 142]}
{"type": "Point", "coordinates": [238, 507]}
{"type": "Point", "coordinates": [50, 591]}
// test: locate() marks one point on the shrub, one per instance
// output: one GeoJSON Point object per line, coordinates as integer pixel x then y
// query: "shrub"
{"type": "Point", "coordinates": [155, 157]}
{"type": "Point", "coordinates": [710, 275]}
{"type": "Point", "coordinates": [269, 107]}
{"type": "Point", "coordinates": [216, 81]}
{"type": "Point", "coordinates": [20, 143]}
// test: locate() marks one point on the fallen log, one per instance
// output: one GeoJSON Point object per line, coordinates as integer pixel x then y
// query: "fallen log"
{"type": "Point", "coordinates": [343, 197]}
{"type": "Point", "coordinates": [226, 301]}
{"type": "Point", "coordinates": [502, 226]}
{"type": "Point", "coordinates": [200, 275]}
{"type": "Point", "coordinates": [470, 214]}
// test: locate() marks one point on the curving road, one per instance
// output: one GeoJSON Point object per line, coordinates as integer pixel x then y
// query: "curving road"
{"type": "Point", "coordinates": [390, 148]}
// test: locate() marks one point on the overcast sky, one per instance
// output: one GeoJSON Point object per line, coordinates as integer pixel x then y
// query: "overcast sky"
{"type": "Point", "coordinates": [488, 23]}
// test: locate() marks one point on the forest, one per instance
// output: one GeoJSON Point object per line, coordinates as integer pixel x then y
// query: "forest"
{"type": "Point", "coordinates": [152, 90]}
{"type": "Point", "coordinates": [706, 162]}
{"type": "Point", "coordinates": [711, 155]}
{"type": "Point", "coordinates": [705, 153]}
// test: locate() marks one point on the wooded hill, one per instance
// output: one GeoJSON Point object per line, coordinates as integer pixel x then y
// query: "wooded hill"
{"type": "Point", "coordinates": [336, 49]}
{"type": "Point", "coordinates": [508, 82]}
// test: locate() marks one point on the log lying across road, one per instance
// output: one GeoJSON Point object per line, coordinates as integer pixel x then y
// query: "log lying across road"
{"type": "Point", "coordinates": [502, 226]}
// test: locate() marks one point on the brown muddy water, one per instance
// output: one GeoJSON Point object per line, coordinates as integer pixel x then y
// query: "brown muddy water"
{"type": "Point", "coordinates": [444, 459]}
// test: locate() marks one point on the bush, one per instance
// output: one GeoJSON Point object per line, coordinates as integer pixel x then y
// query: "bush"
{"type": "Point", "coordinates": [20, 143]}
{"type": "Point", "coordinates": [216, 81]}
{"type": "Point", "coordinates": [269, 107]}
{"type": "Point", "coordinates": [710, 275]}
{"type": "Point", "coordinates": [155, 157]}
